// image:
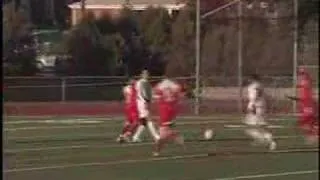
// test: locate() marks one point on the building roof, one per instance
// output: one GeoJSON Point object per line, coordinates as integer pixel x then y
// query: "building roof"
{"type": "Point", "coordinates": [136, 4]}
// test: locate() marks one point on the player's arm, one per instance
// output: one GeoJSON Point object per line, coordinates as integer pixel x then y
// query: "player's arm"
{"type": "Point", "coordinates": [146, 91]}
{"type": "Point", "coordinates": [293, 98]}
{"type": "Point", "coordinates": [156, 92]}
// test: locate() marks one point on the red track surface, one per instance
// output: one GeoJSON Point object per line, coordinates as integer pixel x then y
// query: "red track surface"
{"type": "Point", "coordinates": [110, 108]}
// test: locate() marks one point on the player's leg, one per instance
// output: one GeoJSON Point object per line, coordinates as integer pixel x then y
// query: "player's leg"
{"type": "Point", "coordinates": [265, 133]}
{"type": "Point", "coordinates": [134, 124]}
{"type": "Point", "coordinates": [166, 134]}
{"type": "Point", "coordinates": [144, 117]}
{"type": "Point", "coordinates": [126, 127]}
{"type": "Point", "coordinates": [256, 128]}
{"type": "Point", "coordinates": [310, 129]}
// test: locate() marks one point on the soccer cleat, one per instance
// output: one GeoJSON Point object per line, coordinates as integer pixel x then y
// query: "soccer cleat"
{"type": "Point", "coordinates": [155, 154]}
{"type": "Point", "coordinates": [272, 146]}
{"type": "Point", "coordinates": [120, 139]}
{"type": "Point", "coordinates": [311, 140]}
{"type": "Point", "coordinates": [137, 140]}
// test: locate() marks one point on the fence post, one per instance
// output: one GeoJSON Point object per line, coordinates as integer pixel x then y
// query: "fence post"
{"type": "Point", "coordinates": [63, 89]}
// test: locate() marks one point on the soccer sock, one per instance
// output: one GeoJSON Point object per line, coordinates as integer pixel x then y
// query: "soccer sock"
{"type": "Point", "coordinates": [138, 133]}
{"type": "Point", "coordinates": [267, 136]}
{"type": "Point", "coordinates": [152, 130]}
{"type": "Point", "coordinates": [125, 128]}
{"type": "Point", "coordinates": [133, 128]}
{"type": "Point", "coordinates": [255, 134]}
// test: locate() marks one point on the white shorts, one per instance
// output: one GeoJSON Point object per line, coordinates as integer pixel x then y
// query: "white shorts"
{"type": "Point", "coordinates": [143, 109]}
{"type": "Point", "coordinates": [257, 119]}
{"type": "Point", "coordinates": [254, 120]}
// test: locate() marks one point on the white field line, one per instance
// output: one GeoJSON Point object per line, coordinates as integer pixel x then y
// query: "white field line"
{"type": "Point", "coordinates": [119, 118]}
{"type": "Point", "coordinates": [75, 147]}
{"type": "Point", "coordinates": [99, 146]}
{"type": "Point", "coordinates": [129, 161]}
{"type": "Point", "coordinates": [58, 137]}
{"type": "Point", "coordinates": [51, 127]}
{"type": "Point", "coordinates": [231, 126]}
{"type": "Point", "coordinates": [270, 175]}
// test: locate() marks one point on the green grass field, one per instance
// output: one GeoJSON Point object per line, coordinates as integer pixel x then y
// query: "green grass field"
{"type": "Point", "coordinates": [71, 148]}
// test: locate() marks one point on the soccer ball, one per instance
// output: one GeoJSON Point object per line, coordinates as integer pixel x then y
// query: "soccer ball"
{"type": "Point", "coordinates": [208, 134]}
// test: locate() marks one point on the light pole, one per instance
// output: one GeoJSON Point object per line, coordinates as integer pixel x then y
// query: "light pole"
{"type": "Point", "coordinates": [295, 50]}
{"type": "Point", "coordinates": [83, 8]}
{"type": "Point", "coordinates": [197, 46]}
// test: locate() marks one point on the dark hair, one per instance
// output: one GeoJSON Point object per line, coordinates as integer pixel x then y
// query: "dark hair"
{"type": "Point", "coordinates": [255, 77]}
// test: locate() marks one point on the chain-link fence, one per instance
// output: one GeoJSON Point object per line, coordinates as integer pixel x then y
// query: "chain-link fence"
{"type": "Point", "coordinates": [257, 37]}
{"type": "Point", "coordinates": [218, 94]}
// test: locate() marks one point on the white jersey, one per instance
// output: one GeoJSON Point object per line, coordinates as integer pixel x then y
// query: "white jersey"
{"type": "Point", "coordinates": [256, 103]}
{"type": "Point", "coordinates": [255, 93]}
{"type": "Point", "coordinates": [144, 95]}
{"type": "Point", "coordinates": [144, 90]}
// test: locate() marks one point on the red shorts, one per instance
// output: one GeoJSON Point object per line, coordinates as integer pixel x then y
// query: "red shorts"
{"type": "Point", "coordinates": [131, 115]}
{"type": "Point", "coordinates": [167, 113]}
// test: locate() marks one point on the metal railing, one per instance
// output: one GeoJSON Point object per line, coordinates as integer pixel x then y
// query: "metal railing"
{"type": "Point", "coordinates": [216, 92]}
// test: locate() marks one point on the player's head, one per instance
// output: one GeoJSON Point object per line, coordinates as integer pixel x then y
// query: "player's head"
{"type": "Point", "coordinates": [145, 74]}
{"type": "Point", "coordinates": [254, 77]}
{"type": "Point", "coordinates": [301, 71]}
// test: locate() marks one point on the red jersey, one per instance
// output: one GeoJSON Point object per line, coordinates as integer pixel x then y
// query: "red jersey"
{"type": "Point", "coordinates": [130, 96]}
{"type": "Point", "coordinates": [167, 93]}
{"type": "Point", "coordinates": [305, 103]}
{"type": "Point", "coordinates": [305, 89]}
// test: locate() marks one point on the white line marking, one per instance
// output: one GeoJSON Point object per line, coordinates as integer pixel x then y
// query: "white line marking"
{"type": "Point", "coordinates": [63, 137]}
{"type": "Point", "coordinates": [119, 118]}
{"type": "Point", "coordinates": [99, 146]}
{"type": "Point", "coordinates": [243, 126]}
{"type": "Point", "coordinates": [230, 127]}
{"type": "Point", "coordinates": [75, 147]}
{"type": "Point", "coordinates": [99, 124]}
{"type": "Point", "coordinates": [51, 127]}
{"type": "Point", "coordinates": [129, 161]}
{"type": "Point", "coordinates": [52, 121]}
{"type": "Point", "coordinates": [270, 175]}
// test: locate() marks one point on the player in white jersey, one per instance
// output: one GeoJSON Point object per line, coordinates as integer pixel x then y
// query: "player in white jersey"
{"type": "Point", "coordinates": [144, 96]}
{"type": "Point", "coordinates": [255, 118]}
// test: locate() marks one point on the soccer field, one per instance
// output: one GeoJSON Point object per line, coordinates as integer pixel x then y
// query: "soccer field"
{"type": "Point", "coordinates": [84, 148]}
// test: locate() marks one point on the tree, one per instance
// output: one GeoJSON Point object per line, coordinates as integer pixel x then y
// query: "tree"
{"type": "Point", "coordinates": [92, 44]}
{"type": "Point", "coordinates": [17, 42]}
{"type": "Point", "coordinates": [133, 50]}
{"type": "Point", "coordinates": [155, 27]}
{"type": "Point", "coordinates": [308, 9]}
{"type": "Point", "coordinates": [181, 57]}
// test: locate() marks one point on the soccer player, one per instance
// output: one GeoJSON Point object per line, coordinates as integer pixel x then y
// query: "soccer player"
{"type": "Point", "coordinates": [131, 112]}
{"type": "Point", "coordinates": [255, 118]}
{"type": "Point", "coordinates": [306, 107]}
{"type": "Point", "coordinates": [167, 94]}
{"type": "Point", "coordinates": [144, 96]}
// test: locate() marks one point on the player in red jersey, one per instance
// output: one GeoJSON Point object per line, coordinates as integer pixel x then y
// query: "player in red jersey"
{"type": "Point", "coordinates": [167, 94]}
{"type": "Point", "coordinates": [131, 112]}
{"type": "Point", "coordinates": [307, 122]}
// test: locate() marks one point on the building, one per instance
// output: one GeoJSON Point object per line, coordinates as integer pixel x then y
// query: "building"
{"type": "Point", "coordinates": [113, 7]}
